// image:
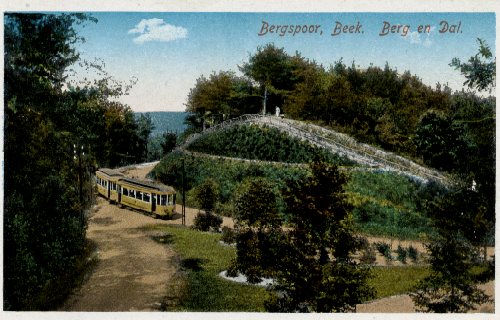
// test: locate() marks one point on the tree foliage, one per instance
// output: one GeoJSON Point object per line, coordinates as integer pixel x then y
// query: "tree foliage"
{"type": "Point", "coordinates": [218, 97]}
{"type": "Point", "coordinates": [380, 106]}
{"type": "Point", "coordinates": [169, 142]}
{"type": "Point", "coordinates": [452, 285]}
{"type": "Point", "coordinates": [311, 260]}
{"type": "Point", "coordinates": [55, 136]}
{"type": "Point", "coordinates": [479, 74]}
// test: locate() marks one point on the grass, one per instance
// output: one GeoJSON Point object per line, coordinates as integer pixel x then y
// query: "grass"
{"type": "Point", "coordinates": [202, 258]}
{"type": "Point", "coordinates": [389, 281]}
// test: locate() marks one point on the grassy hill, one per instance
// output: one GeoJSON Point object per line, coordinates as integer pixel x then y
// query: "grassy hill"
{"type": "Point", "coordinates": [384, 203]}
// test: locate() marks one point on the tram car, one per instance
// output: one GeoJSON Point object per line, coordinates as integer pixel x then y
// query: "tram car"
{"type": "Point", "coordinates": [154, 198]}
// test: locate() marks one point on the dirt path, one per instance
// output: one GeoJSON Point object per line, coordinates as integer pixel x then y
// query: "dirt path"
{"type": "Point", "coordinates": [133, 270]}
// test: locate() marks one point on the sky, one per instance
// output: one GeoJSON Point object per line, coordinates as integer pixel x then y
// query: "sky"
{"type": "Point", "coordinates": [167, 51]}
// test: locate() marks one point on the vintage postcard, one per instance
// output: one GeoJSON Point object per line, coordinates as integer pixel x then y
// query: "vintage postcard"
{"type": "Point", "coordinates": [236, 157]}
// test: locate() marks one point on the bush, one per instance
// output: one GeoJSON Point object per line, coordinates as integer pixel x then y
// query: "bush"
{"type": "Point", "coordinates": [384, 249]}
{"type": "Point", "coordinates": [413, 253]}
{"type": "Point", "coordinates": [224, 209]}
{"type": "Point", "coordinates": [228, 235]}
{"type": "Point", "coordinates": [368, 255]}
{"type": "Point", "coordinates": [402, 254]}
{"type": "Point", "coordinates": [207, 222]}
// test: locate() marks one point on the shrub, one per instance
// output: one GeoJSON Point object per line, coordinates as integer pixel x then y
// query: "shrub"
{"type": "Point", "coordinates": [413, 253]}
{"type": "Point", "coordinates": [368, 255]}
{"type": "Point", "coordinates": [207, 221]}
{"type": "Point", "coordinates": [224, 209]}
{"type": "Point", "coordinates": [384, 249]}
{"type": "Point", "coordinates": [228, 235]}
{"type": "Point", "coordinates": [402, 254]}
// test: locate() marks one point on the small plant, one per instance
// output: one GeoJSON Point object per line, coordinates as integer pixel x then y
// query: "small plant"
{"type": "Point", "coordinates": [228, 235]}
{"type": "Point", "coordinates": [413, 253]}
{"type": "Point", "coordinates": [384, 249]}
{"type": "Point", "coordinates": [402, 254]}
{"type": "Point", "coordinates": [368, 255]}
{"type": "Point", "coordinates": [207, 222]}
{"type": "Point", "coordinates": [367, 251]}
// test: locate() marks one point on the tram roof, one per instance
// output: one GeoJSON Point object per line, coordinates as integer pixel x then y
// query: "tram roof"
{"type": "Point", "coordinates": [148, 184]}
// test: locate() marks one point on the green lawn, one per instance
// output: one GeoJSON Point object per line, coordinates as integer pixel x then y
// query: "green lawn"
{"type": "Point", "coordinates": [202, 257]}
{"type": "Point", "coordinates": [389, 281]}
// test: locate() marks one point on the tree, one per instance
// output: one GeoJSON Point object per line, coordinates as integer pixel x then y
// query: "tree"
{"type": "Point", "coordinates": [438, 141]}
{"type": "Point", "coordinates": [207, 194]}
{"type": "Point", "coordinates": [169, 142]}
{"type": "Point", "coordinates": [310, 260]}
{"type": "Point", "coordinates": [44, 224]}
{"type": "Point", "coordinates": [480, 74]}
{"type": "Point", "coordinates": [144, 128]}
{"type": "Point", "coordinates": [272, 69]}
{"type": "Point", "coordinates": [55, 136]}
{"type": "Point", "coordinates": [218, 97]}
{"type": "Point", "coordinates": [452, 285]}
{"type": "Point", "coordinates": [308, 99]}
{"type": "Point", "coordinates": [318, 274]}
{"type": "Point", "coordinates": [258, 226]}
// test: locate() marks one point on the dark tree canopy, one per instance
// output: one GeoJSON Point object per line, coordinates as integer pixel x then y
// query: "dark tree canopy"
{"type": "Point", "coordinates": [311, 259]}
{"type": "Point", "coordinates": [56, 135]}
{"type": "Point", "coordinates": [460, 227]}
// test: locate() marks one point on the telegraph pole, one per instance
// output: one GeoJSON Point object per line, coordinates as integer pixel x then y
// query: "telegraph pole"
{"type": "Point", "coordinates": [265, 100]}
{"type": "Point", "coordinates": [183, 194]}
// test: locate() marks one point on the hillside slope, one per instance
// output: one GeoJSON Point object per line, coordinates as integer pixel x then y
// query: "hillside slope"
{"type": "Point", "coordinates": [337, 143]}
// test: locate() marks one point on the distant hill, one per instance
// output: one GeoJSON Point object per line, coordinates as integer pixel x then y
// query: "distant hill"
{"type": "Point", "coordinates": [167, 121]}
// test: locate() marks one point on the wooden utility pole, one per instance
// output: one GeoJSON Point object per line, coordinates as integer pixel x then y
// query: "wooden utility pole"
{"type": "Point", "coordinates": [183, 195]}
{"type": "Point", "coordinates": [265, 100]}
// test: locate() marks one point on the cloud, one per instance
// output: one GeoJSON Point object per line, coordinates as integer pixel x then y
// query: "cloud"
{"type": "Point", "coordinates": [157, 30]}
{"type": "Point", "coordinates": [416, 38]}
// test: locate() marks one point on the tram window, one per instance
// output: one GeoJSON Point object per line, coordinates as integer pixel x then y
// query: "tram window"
{"type": "Point", "coordinates": [158, 199]}
{"type": "Point", "coordinates": [171, 199]}
{"type": "Point", "coordinates": [146, 197]}
{"type": "Point", "coordinates": [138, 195]}
{"type": "Point", "coordinates": [163, 200]}
{"type": "Point", "coordinates": [132, 193]}
{"type": "Point", "coordinates": [125, 191]}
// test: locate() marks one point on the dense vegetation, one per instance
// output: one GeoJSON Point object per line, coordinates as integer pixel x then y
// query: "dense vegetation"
{"type": "Point", "coordinates": [227, 174]}
{"type": "Point", "coordinates": [388, 204]}
{"type": "Point", "coordinates": [384, 203]}
{"type": "Point", "coordinates": [312, 260]}
{"type": "Point", "coordinates": [261, 143]}
{"type": "Point", "coordinates": [375, 105]}
{"type": "Point", "coordinates": [56, 134]}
